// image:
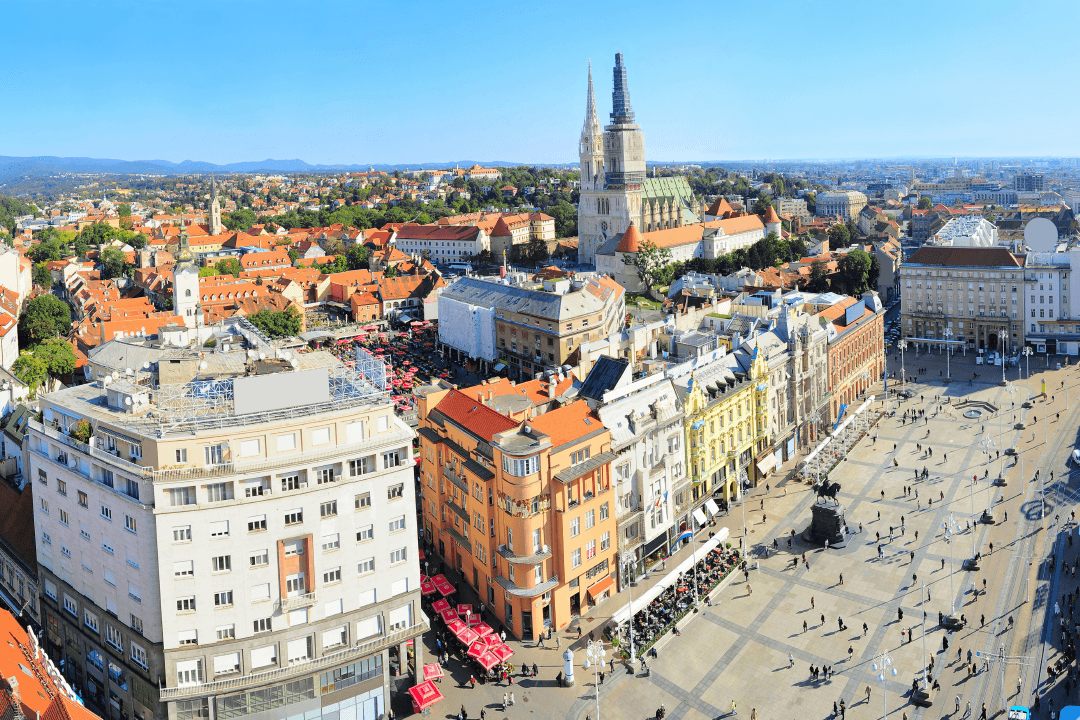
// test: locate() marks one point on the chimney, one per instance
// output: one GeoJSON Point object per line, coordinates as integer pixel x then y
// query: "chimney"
{"type": "Point", "coordinates": [551, 387]}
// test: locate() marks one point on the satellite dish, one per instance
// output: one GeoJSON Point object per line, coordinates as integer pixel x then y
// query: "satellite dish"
{"type": "Point", "coordinates": [294, 362]}
{"type": "Point", "coordinates": [262, 356]}
{"type": "Point", "coordinates": [127, 401]}
{"type": "Point", "coordinates": [146, 365]}
{"type": "Point", "coordinates": [202, 365]}
{"type": "Point", "coordinates": [115, 375]}
{"type": "Point", "coordinates": [1041, 235]}
{"type": "Point", "coordinates": [129, 371]}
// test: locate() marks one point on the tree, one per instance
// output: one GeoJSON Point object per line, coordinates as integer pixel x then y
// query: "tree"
{"type": "Point", "coordinates": [31, 371]}
{"type": "Point", "coordinates": [537, 249]}
{"type": "Point", "coordinates": [839, 236]}
{"type": "Point", "coordinates": [391, 272]}
{"type": "Point", "coordinates": [41, 275]}
{"type": "Point", "coordinates": [811, 202]}
{"type": "Point", "coordinates": [357, 257]}
{"type": "Point", "coordinates": [240, 219]}
{"type": "Point", "coordinates": [875, 272]}
{"type": "Point", "coordinates": [565, 216]}
{"type": "Point", "coordinates": [819, 277]}
{"type": "Point", "coordinates": [277, 323]}
{"type": "Point", "coordinates": [762, 205]}
{"type": "Point", "coordinates": [58, 356]}
{"type": "Point", "coordinates": [228, 266]}
{"type": "Point", "coordinates": [112, 262]}
{"type": "Point", "coordinates": [853, 271]}
{"type": "Point", "coordinates": [123, 210]}
{"type": "Point", "coordinates": [294, 255]}
{"type": "Point", "coordinates": [925, 203]}
{"type": "Point", "coordinates": [853, 230]}
{"type": "Point", "coordinates": [651, 262]}
{"type": "Point", "coordinates": [46, 316]}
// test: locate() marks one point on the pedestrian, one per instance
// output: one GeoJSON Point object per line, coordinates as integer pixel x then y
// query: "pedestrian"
{"type": "Point", "coordinates": [557, 642]}
{"type": "Point", "coordinates": [502, 634]}
{"type": "Point", "coordinates": [512, 694]}
{"type": "Point", "coordinates": [472, 681]}
{"type": "Point", "coordinates": [841, 578]}
{"type": "Point", "coordinates": [850, 652]}
{"type": "Point", "coordinates": [822, 619]}
{"type": "Point", "coordinates": [504, 702]}
{"type": "Point", "coordinates": [733, 710]}
{"type": "Point", "coordinates": [957, 704]}
{"type": "Point", "coordinates": [753, 713]}
{"type": "Point", "coordinates": [811, 602]}
{"type": "Point", "coordinates": [541, 642]}
{"type": "Point", "coordinates": [867, 693]}
{"type": "Point", "coordinates": [790, 660]}
{"type": "Point", "coordinates": [804, 626]}
{"type": "Point", "coordinates": [864, 629]}
{"type": "Point", "coordinates": [578, 634]}
{"type": "Point", "coordinates": [612, 661]}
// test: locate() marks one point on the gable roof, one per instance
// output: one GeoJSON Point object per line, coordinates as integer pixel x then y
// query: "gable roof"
{"type": "Point", "coordinates": [474, 416]}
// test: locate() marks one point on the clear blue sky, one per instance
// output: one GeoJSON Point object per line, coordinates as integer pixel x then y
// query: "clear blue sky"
{"type": "Point", "coordinates": [411, 82]}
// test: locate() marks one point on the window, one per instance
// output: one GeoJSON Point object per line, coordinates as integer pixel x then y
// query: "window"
{"type": "Point", "coordinates": [294, 517]}
{"type": "Point", "coordinates": [293, 547]}
{"type": "Point", "coordinates": [397, 524]}
{"type": "Point", "coordinates": [223, 598]}
{"type": "Point", "coordinates": [135, 622]}
{"type": "Point", "coordinates": [70, 606]}
{"type": "Point", "coordinates": [605, 541]}
{"type": "Point", "coordinates": [328, 509]}
{"type": "Point", "coordinates": [257, 487]}
{"type": "Point", "coordinates": [320, 436]}
{"type": "Point", "coordinates": [217, 492]}
{"type": "Point", "coordinates": [181, 534]}
{"type": "Point", "coordinates": [395, 492]}
{"type": "Point", "coordinates": [324, 476]}
{"type": "Point", "coordinates": [181, 455]}
{"type": "Point", "coordinates": [225, 632]}
{"type": "Point", "coordinates": [575, 558]}
{"type": "Point", "coordinates": [222, 563]}
{"type": "Point", "coordinates": [366, 566]}
{"type": "Point", "coordinates": [262, 625]}
{"type": "Point", "coordinates": [63, 517]}
{"type": "Point", "coordinates": [256, 523]}
{"type": "Point", "coordinates": [184, 568]}
{"type": "Point", "coordinates": [260, 592]}
{"type": "Point", "coordinates": [392, 458]}
{"type": "Point", "coordinates": [107, 547]}
{"type": "Point", "coordinates": [259, 558]}
{"type": "Point", "coordinates": [331, 542]}
{"type": "Point", "coordinates": [226, 664]}
{"type": "Point", "coordinates": [286, 442]}
{"type": "Point", "coordinates": [47, 539]}
{"type": "Point", "coordinates": [361, 466]}
{"type": "Point", "coordinates": [219, 528]}
{"type": "Point", "coordinates": [261, 657]}
{"type": "Point", "coordinates": [590, 549]}
{"type": "Point", "coordinates": [400, 618]}
{"type": "Point", "coordinates": [138, 654]}
{"type": "Point", "coordinates": [83, 500]}
{"type": "Point", "coordinates": [580, 456]}
{"type": "Point", "coordinates": [520, 467]}
{"type": "Point", "coordinates": [331, 576]}
{"type": "Point", "coordinates": [299, 650]}
{"type": "Point", "coordinates": [135, 594]}
{"type": "Point", "coordinates": [603, 512]}
{"type": "Point", "coordinates": [182, 496]}
{"type": "Point", "coordinates": [42, 477]}
{"type": "Point", "coordinates": [90, 620]}
{"type": "Point", "coordinates": [397, 556]}
{"type": "Point", "coordinates": [188, 637]}
{"type": "Point", "coordinates": [212, 454]}
{"type": "Point", "coordinates": [292, 482]}
{"type": "Point", "coordinates": [538, 573]}
{"type": "Point", "coordinates": [61, 487]}
{"type": "Point", "coordinates": [365, 533]}
{"type": "Point", "coordinates": [362, 501]}
{"type": "Point", "coordinates": [590, 519]}
{"type": "Point", "coordinates": [44, 506]}
{"type": "Point", "coordinates": [295, 584]}
{"type": "Point", "coordinates": [130, 524]}
{"type": "Point", "coordinates": [369, 627]}
{"type": "Point", "coordinates": [575, 527]}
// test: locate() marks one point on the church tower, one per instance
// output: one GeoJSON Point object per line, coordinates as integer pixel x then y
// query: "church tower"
{"type": "Point", "coordinates": [186, 285]}
{"type": "Point", "coordinates": [215, 209]}
{"type": "Point", "coordinates": [612, 170]}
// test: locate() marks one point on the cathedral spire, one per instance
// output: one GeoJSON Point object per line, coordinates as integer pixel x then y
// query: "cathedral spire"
{"type": "Point", "coordinates": [592, 124]}
{"type": "Point", "coordinates": [621, 112]}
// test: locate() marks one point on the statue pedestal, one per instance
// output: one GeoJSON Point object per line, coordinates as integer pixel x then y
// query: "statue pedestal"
{"type": "Point", "coordinates": [827, 523]}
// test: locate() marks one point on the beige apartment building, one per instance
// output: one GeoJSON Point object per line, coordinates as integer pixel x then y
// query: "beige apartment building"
{"type": "Point", "coordinates": [227, 534]}
{"type": "Point", "coordinates": [845, 203]}
{"type": "Point", "coordinates": [967, 294]}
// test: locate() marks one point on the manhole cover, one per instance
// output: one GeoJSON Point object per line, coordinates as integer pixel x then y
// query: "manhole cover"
{"type": "Point", "coordinates": [972, 414]}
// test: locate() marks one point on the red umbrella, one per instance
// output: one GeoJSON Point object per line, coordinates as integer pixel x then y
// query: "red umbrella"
{"type": "Point", "coordinates": [487, 661]}
{"type": "Point", "coordinates": [445, 589]}
{"type": "Point", "coordinates": [439, 579]}
{"type": "Point", "coordinates": [483, 628]}
{"type": "Point", "coordinates": [421, 555]}
{"type": "Point", "coordinates": [427, 588]}
{"type": "Point", "coordinates": [467, 636]}
{"type": "Point", "coordinates": [502, 651]}
{"type": "Point", "coordinates": [448, 615]}
{"type": "Point", "coordinates": [455, 626]}
{"type": "Point", "coordinates": [463, 609]}
{"type": "Point", "coordinates": [440, 605]}
{"type": "Point", "coordinates": [424, 695]}
{"type": "Point", "coordinates": [477, 649]}
{"type": "Point", "coordinates": [433, 671]}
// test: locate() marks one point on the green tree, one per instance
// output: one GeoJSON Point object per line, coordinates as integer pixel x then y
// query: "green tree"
{"type": "Point", "coordinates": [123, 210]}
{"type": "Point", "coordinates": [811, 202]}
{"type": "Point", "coordinates": [565, 216]}
{"type": "Point", "coordinates": [391, 272]}
{"type": "Point", "coordinates": [875, 272]}
{"type": "Point", "coordinates": [357, 257]}
{"type": "Point", "coordinates": [762, 205]}
{"type": "Point", "coordinates": [839, 236]}
{"type": "Point", "coordinates": [294, 255]}
{"type": "Point", "coordinates": [651, 262]}
{"type": "Point", "coordinates": [228, 266]}
{"type": "Point", "coordinates": [925, 203]}
{"type": "Point", "coordinates": [277, 323]}
{"type": "Point", "coordinates": [240, 219]}
{"type": "Point", "coordinates": [46, 316]}
{"type": "Point", "coordinates": [853, 271]}
{"type": "Point", "coordinates": [41, 275]}
{"type": "Point", "coordinates": [58, 356]}
{"type": "Point", "coordinates": [112, 262]}
{"type": "Point", "coordinates": [819, 277]}
{"type": "Point", "coordinates": [31, 370]}
{"type": "Point", "coordinates": [537, 249]}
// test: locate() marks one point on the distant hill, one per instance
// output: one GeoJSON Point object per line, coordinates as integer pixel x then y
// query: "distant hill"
{"type": "Point", "coordinates": [16, 167]}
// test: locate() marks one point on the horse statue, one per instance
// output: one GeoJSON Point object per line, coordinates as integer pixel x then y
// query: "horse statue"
{"type": "Point", "coordinates": [828, 490]}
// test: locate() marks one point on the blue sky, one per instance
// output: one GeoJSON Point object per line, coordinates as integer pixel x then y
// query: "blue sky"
{"type": "Point", "coordinates": [409, 82]}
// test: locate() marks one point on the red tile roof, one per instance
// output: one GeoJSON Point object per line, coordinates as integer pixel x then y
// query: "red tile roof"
{"type": "Point", "coordinates": [474, 416]}
{"type": "Point", "coordinates": [965, 257]}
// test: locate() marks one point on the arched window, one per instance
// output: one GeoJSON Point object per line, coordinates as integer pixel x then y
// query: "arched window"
{"type": "Point", "coordinates": [187, 293]}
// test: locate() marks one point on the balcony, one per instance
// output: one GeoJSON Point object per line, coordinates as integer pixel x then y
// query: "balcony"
{"type": "Point", "coordinates": [280, 675]}
{"type": "Point", "coordinates": [456, 480]}
{"type": "Point", "coordinates": [461, 512]}
{"type": "Point", "coordinates": [549, 584]}
{"type": "Point", "coordinates": [296, 602]}
{"type": "Point", "coordinates": [103, 455]}
{"type": "Point", "coordinates": [544, 554]}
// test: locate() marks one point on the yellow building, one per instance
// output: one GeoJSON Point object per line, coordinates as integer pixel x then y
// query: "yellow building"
{"type": "Point", "coordinates": [727, 424]}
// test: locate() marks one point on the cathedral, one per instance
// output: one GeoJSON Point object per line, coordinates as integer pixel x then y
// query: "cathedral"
{"type": "Point", "coordinates": [615, 191]}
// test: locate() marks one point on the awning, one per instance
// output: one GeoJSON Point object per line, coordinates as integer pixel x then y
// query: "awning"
{"type": "Point", "coordinates": [433, 671]}
{"type": "Point", "coordinates": [499, 367]}
{"type": "Point", "coordinates": [700, 516]}
{"type": "Point", "coordinates": [766, 463]}
{"type": "Point", "coordinates": [424, 695]}
{"type": "Point", "coordinates": [711, 507]}
{"type": "Point", "coordinates": [599, 588]}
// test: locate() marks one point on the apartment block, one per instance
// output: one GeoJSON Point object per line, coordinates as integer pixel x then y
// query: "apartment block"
{"type": "Point", "coordinates": [227, 534]}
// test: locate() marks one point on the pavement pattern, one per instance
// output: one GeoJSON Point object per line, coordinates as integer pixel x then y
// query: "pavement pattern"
{"type": "Point", "coordinates": [741, 647]}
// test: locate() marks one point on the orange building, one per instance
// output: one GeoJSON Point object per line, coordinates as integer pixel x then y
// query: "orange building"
{"type": "Point", "coordinates": [856, 349]}
{"type": "Point", "coordinates": [516, 499]}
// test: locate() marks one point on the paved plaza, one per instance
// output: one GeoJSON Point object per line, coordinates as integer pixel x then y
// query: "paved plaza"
{"type": "Point", "coordinates": [739, 648]}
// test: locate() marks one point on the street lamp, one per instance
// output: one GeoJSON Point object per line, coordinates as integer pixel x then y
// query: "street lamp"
{"type": "Point", "coordinates": [594, 653]}
{"type": "Point", "coordinates": [948, 351]}
{"type": "Point", "coordinates": [903, 378]}
{"type": "Point", "coordinates": [925, 684]}
{"type": "Point", "coordinates": [987, 443]}
{"type": "Point", "coordinates": [883, 665]}
{"type": "Point", "coordinates": [1027, 361]}
{"type": "Point", "coordinates": [628, 565]}
{"type": "Point", "coordinates": [949, 527]}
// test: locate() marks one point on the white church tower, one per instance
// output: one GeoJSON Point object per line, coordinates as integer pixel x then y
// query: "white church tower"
{"type": "Point", "coordinates": [215, 209]}
{"type": "Point", "coordinates": [186, 285]}
{"type": "Point", "coordinates": [612, 169]}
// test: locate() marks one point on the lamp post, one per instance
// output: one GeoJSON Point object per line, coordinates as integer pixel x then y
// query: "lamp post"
{"type": "Point", "coordinates": [948, 530]}
{"type": "Point", "coordinates": [987, 443]}
{"type": "Point", "coordinates": [1027, 361]}
{"type": "Point", "coordinates": [923, 633]}
{"type": "Point", "coordinates": [883, 665]}
{"type": "Point", "coordinates": [594, 653]}
{"type": "Point", "coordinates": [903, 378]}
{"type": "Point", "coordinates": [948, 351]}
{"type": "Point", "coordinates": [743, 481]}
{"type": "Point", "coordinates": [629, 564]}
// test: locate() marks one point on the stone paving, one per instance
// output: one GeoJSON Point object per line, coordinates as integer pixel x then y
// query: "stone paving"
{"type": "Point", "coordinates": [739, 648]}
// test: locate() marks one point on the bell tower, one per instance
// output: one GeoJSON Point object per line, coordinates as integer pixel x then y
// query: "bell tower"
{"type": "Point", "coordinates": [215, 209]}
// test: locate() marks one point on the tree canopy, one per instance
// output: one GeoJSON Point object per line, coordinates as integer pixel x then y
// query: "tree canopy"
{"type": "Point", "coordinates": [46, 316]}
{"type": "Point", "coordinates": [112, 262]}
{"type": "Point", "coordinates": [240, 219]}
{"type": "Point", "coordinates": [277, 323]}
{"type": "Point", "coordinates": [925, 203]}
{"type": "Point", "coordinates": [839, 236]}
{"type": "Point", "coordinates": [654, 266]}
{"type": "Point", "coordinates": [853, 272]}
{"type": "Point", "coordinates": [41, 275]}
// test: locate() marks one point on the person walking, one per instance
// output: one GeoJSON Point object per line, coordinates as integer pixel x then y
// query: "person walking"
{"type": "Point", "coordinates": [804, 626]}
{"type": "Point", "coordinates": [864, 629]}
{"type": "Point", "coordinates": [790, 660]}
{"type": "Point", "coordinates": [841, 578]}
{"type": "Point", "coordinates": [512, 694]}
{"type": "Point", "coordinates": [504, 702]}
{"type": "Point", "coordinates": [734, 711]}
{"type": "Point", "coordinates": [811, 602]}
{"type": "Point", "coordinates": [850, 652]}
